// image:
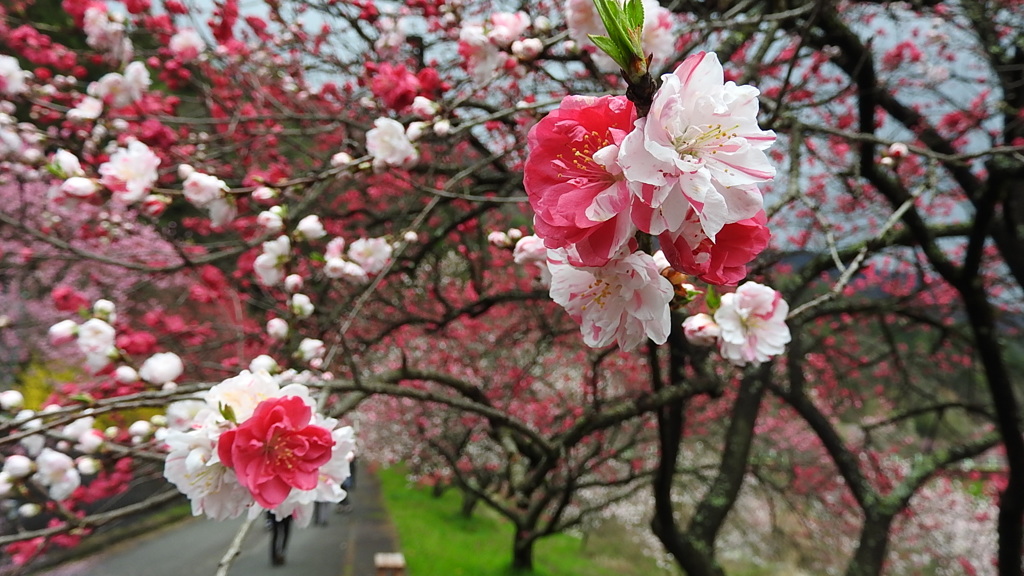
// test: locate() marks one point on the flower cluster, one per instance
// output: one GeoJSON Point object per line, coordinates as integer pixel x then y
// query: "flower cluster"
{"type": "Point", "coordinates": [688, 174]}
{"type": "Point", "coordinates": [252, 444]}
{"type": "Point", "coordinates": [749, 326]}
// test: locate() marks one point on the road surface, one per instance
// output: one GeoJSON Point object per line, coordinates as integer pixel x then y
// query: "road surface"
{"type": "Point", "coordinates": [194, 547]}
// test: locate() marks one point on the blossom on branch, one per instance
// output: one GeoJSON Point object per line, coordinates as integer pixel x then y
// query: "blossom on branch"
{"type": "Point", "coordinates": [625, 301]}
{"type": "Point", "coordinates": [276, 449]}
{"type": "Point", "coordinates": [388, 144]}
{"type": "Point", "coordinates": [577, 190]}
{"type": "Point", "coordinates": [753, 324]}
{"type": "Point", "coordinates": [701, 145]}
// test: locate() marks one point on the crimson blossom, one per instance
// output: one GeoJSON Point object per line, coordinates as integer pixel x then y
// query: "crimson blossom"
{"type": "Point", "coordinates": [276, 449]}
{"type": "Point", "coordinates": [576, 188]}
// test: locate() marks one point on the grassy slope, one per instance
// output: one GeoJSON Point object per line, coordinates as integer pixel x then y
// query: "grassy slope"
{"type": "Point", "coordinates": [436, 541]}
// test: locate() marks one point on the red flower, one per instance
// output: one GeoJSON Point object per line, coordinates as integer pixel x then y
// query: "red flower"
{"type": "Point", "coordinates": [722, 262]}
{"type": "Point", "coordinates": [580, 198]}
{"type": "Point", "coordinates": [276, 449]}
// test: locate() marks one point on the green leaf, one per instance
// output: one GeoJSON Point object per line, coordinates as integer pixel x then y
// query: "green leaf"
{"type": "Point", "coordinates": [83, 398]}
{"type": "Point", "coordinates": [712, 298]}
{"type": "Point", "coordinates": [634, 14]}
{"type": "Point", "coordinates": [227, 412]}
{"type": "Point", "coordinates": [611, 48]}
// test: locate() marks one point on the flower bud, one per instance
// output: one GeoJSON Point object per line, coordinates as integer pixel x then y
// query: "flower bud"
{"type": "Point", "coordinates": [701, 330]}
{"type": "Point", "coordinates": [277, 328]}
{"type": "Point", "coordinates": [18, 466]}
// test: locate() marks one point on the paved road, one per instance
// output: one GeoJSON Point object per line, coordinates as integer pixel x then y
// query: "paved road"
{"type": "Point", "coordinates": [345, 547]}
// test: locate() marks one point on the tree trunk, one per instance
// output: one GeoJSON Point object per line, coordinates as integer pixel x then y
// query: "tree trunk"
{"type": "Point", "coordinates": [469, 502]}
{"type": "Point", "coordinates": [522, 551]}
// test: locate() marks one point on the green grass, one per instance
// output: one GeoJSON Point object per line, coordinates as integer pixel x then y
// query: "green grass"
{"type": "Point", "coordinates": [437, 541]}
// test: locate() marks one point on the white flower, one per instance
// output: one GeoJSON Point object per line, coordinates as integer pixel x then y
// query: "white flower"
{"type": "Point", "coordinates": [192, 466]}
{"type": "Point", "coordinates": [126, 374]}
{"type": "Point", "coordinates": [272, 221]}
{"type": "Point", "coordinates": [89, 441]}
{"type": "Point", "coordinates": [753, 324]}
{"type": "Point", "coordinates": [130, 172]}
{"type": "Point", "coordinates": [6, 485]}
{"type": "Point", "coordinates": [311, 349]}
{"type": "Point", "coordinates": [387, 143]}
{"type": "Point", "coordinates": [293, 283]}
{"type": "Point", "coordinates": [341, 158]}
{"type": "Point", "coordinates": [700, 144]}
{"type": "Point", "coordinates": [161, 367]}
{"type": "Point", "coordinates": [202, 189]}
{"type": "Point", "coordinates": [701, 330]}
{"type": "Point", "coordinates": [29, 510]}
{"type": "Point", "coordinates": [222, 211]}
{"type": "Point", "coordinates": [269, 266]}
{"type": "Point", "coordinates": [242, 393]}
{"type": "Point", "coordinates": [624, 301]}
{"type": "Point", "coordinates": [136, 80]}
{"type": "Point", "coordinates": [335, 248]}
{"type": "Point", "coordinates": [95, 337]}
{"type": "Point", "coordinates": [499, 239]}
{"type": "Point", "coordinates": [263, 363]}
{"type": "Point", "coordinates": [482, 57]}
{"type": "Point", "coordinates": [18, 466]}
{"type": "Point", "coordinates": [11, 400]}
{"type": "Point", "coordinates": [12, 77]}
{"type": "Point", "coordinates": [300, 305]}
{"type": "Point", "coordinates": [410, 236]}
{"type": "Point", "coordinates": [56, 471]}
{"type": "Point", "coordinates": [87, 466]}
{"type": "Point", "coordinates": [372, 254]}
{"type": "Point", "coordinates": [527, 49]}
{"type": "Point", "coordinates": [186, 44]}
{"type": "Point", "coordinates": [79, 187]}
{"type": "Point", "coordinates": [140, 428]}
{"type": "Point", "coordinates": [311, 228]}
{"type": "Point", "coordinates": [350, 271]}
{"type": "Point", "coordinates": [264, 194]}
{"type": "Point", "coordinates": [68, 163]}
{"type": "Point", "coordinates": [88, 108]}
{"type": "Point", "coordinates": [442, 127]}
{"type": "Point", "coordinates": [277, 328]}
{"type": "Point", "coordinates": [104, 310]}
{"type": "Point", "coordinates": [425, 108]}
{"type": "Point", "coordinates": [78, 427]}
{"type": "Point", "coordinates": [62, 332]}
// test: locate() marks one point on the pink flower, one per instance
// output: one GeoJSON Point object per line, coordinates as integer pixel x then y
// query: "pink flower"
{"type": "Point", "coordinates": [371, 254]}
{"type": "Point", "coordinates": [529, 249]}
{"type": "Point", "coordinates": [203, 189]}
{"type": "Point", "coordinates": [187, 44]}
{"type": "Point", "coordinates": [507, 27]}
{"type": "Point", "coordinates": [701, 330]}
{"type": "Point", "coordinates": [753, 324]}
{"type": "Point", "coordinates": [625, 301]}
{"type": "Point", "coordinates": [131, 172]}
{"type": "Point", "coordinates": [575, 186]}
{"type": "Point", "coordinates": [700, 143]}
{"type": "Point", "coordinates": [276, 449]}
{"type": "Point", "coordinates": [723, 261]}
{"type": "Point", "coordinates": [395, 86]}
{"type": "Point", "coordinates": [482, 59]}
